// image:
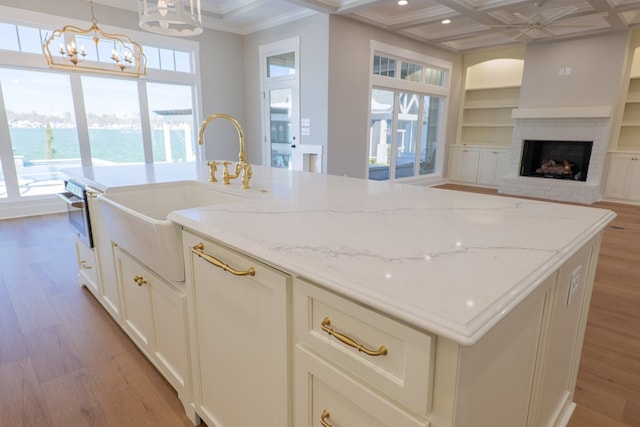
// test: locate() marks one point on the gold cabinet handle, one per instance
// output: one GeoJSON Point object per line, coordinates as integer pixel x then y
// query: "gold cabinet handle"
{"type": "Point", "coordinates": [84, 264]}
{"type": "Point", "coordinates": [199, 250]}
{"type": "Point", "coordinates": [351, 342]}
{"type": "Point", "coordinates": [323, 419]}
{"type": "Point", "coordinates": [139, 280]}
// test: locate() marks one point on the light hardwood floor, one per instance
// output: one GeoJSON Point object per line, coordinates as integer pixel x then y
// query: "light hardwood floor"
{"type": "Point", "coordinates": [64, 362]}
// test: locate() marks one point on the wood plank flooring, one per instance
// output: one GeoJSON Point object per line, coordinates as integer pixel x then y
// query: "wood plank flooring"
{"type": "Point", "coordinates": [608, 388]}
{"type": "Point", "coordinates": [64, 362]}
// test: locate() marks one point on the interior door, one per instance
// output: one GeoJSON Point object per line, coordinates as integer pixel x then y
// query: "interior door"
{"type": "Point", "coordinates": [282, 135]}
{"type": "Point", "coordinates": [281, 103]}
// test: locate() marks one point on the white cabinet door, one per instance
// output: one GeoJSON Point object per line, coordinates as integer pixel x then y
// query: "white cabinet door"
{"type": "Point", "coordinates": [623, 178]}
{"type": "Point", "coordinates": [463, 164]}
{"type": "Point", "coordinates": [108, 294]}
{"type": "Point", "coordinates": [240, 332]}
{"type": "Point", "coordinates": [492, 165]}
{"type": "Point", "coordinates": [633, 190]}
{"type": "Point", "coordinates": [137, 316]}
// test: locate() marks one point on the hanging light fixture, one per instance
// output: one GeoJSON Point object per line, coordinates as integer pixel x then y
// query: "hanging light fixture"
{"type": "Point", "coordinates": [181, 18]}
{"type": "Point", "coordinates": [113, 53]}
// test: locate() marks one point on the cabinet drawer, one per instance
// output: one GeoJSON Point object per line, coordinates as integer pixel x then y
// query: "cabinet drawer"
{"type": "Point", "coordinates": [404, 372]}
{"type": "Point", "coordinates": [328, 397]}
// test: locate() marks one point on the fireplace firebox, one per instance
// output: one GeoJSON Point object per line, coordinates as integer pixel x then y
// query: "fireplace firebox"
{"type": "Point", "coordinates": [556, 159]}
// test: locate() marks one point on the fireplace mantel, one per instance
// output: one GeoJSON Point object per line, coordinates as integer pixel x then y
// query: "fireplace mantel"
{"type": "Point", "coordinates": [562, 112]}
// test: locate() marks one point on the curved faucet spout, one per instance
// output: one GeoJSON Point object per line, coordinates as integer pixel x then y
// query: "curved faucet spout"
{"type": "Point", "coordinates": [212, 117]}
{"type": "Point", "coordinates": [242, 165]}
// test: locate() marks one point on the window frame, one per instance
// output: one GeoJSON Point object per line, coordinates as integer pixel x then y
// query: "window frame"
{"type": "Point", "coordinates": [45, 23]}
{"type": "Point", "coordinates": [398, 85]}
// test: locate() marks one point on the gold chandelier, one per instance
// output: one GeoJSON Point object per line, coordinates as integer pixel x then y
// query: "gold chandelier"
{"type": "Point", "coordinates": [113, 54]}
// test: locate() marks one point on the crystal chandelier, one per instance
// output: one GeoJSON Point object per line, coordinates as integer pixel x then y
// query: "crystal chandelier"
{"type": "Point", "coordinates": [106, 53]}
{"type": "Point", "coordinates": [181, 18]}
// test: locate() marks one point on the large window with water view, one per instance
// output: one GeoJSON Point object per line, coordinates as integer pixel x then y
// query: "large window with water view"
{"type": "Point", "coordinates": [42, 128]}
{"type": "Point", "coordinates": [406, 107]}
{"type": "Point", "coordinates": [52, 120]}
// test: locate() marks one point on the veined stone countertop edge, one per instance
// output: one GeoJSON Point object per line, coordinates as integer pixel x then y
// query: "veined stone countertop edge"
{"type": "Point", "coordinates": [448, 262]}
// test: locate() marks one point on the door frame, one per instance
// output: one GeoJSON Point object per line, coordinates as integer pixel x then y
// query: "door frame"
{"type": "Point", "coordinates": [291, 81]}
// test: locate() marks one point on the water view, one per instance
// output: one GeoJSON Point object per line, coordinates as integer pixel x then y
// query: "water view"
{"type": "Point", "coordinates": [39, 156]}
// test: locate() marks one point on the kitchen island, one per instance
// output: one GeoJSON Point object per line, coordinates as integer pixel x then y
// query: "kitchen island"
{"type": "Point", "coordinates": [465, 309]}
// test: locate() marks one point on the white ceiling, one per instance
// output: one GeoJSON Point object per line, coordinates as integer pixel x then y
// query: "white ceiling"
{"type": "Point", "coordinates": [474, 23]}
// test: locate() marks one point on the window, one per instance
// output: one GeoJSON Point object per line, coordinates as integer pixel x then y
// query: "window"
{"type": "Point", "coordinates": [44, 136]}
{"type": "Point", "coordinates": [171, 115]}
{"type": "Point", "coordinates": [404, 118]}
{"type": "Point", "coordinates": [113, 118]}
{"type": "Point", "coordinates": [52, 120]}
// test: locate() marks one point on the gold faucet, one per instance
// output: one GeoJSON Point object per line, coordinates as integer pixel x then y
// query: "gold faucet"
{"type": "Point", "coordinates": [241, 166]}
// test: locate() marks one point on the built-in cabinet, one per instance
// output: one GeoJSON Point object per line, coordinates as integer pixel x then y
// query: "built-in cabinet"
{"type": "Point", "coordinates": [485, 129]}
{"type": "Point", "coordinates": [477, 165]}
{"type": "Point", "coordinates": [623, 169]}
{"type": "Point", "coordinates": [107, 291]}
{"type": "Point", "coordinates": [154, 315]}
{"type": "Point", "coordinates": [623, 178]}
{"type": "Point", "coordinates": [240, 317]}
{"type": "Point", "coordinates": [250, 323]}
{"type": "Point", "coordinates": [357, 367]}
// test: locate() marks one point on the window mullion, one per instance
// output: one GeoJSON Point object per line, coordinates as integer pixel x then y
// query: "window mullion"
{"type": "Point", "coordinates": [145, 122]}
{"type": "Point", "coordinates": [6, 153]}
{"type": "Point", "coordinates": [394, 135]}
{"type": "Point", "coordinates": [419, 136]}
{"type": "Point", "coordinates": [82, 126]}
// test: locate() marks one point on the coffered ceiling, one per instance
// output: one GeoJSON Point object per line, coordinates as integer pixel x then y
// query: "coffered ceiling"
{"type": "Point", "coordinates": [474, 23]}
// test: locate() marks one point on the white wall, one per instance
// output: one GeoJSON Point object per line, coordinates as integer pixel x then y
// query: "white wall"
{"type": "Point", "coordinates": [596, 65]}
{"type": "Point", "coordinates": [349, 70]}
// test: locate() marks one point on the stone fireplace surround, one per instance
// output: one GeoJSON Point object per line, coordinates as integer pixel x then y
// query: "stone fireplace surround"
{"type": "Point", "coordinates": [570, 124]}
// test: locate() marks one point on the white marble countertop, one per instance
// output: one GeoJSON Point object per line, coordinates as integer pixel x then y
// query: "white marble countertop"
{"type": "Point", "coordinates": [450, 262]}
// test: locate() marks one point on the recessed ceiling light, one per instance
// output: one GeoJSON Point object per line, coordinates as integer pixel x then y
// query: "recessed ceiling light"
{"type": "Point", "coordinates": [402, 2]}
{"type": "Point", "coordinates": [446, 21]}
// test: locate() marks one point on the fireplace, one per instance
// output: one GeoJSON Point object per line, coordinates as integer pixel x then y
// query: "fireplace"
{"type": "Point", "coordinates": [571, 125]}
{"type": "Point", "coordinates": [556, 159]}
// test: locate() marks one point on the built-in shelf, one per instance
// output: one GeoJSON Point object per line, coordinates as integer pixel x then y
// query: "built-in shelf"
{"type": "Point", "coordinates": [486, 116]}
{"type": "Point", "coordinates": [629, 134]}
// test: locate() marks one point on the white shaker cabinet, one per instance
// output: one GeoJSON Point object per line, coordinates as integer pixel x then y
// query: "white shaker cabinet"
{"type": "Point", "coordinates": [239, 328]}
{"type": "Point", "coordinates": [463, 164]}
{"type": "Point", "coordinates": [154, 315]}
{"type": "Point", "coordinates": [107, 291]}
{"type": "Point", "coordinates": [477, 165]}
{"type": "Point", "coordinates": [521, 373]}
{"type": "Point", "coordinates": [623, 179]}
{"type": "Point", "coordinates": [492, 165]}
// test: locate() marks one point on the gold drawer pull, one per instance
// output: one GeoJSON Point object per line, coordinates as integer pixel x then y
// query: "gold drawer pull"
{"type": "Point", "coordinates": [199, 250]}
{"type": "Point", "coordinates": [348, 341]}
{"type": "Point", "coordinates": [323, 419]}
{"type": "Point", "coordinates": [84, 264]}
{"type": "Point", "coordinates": [139, 280]}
